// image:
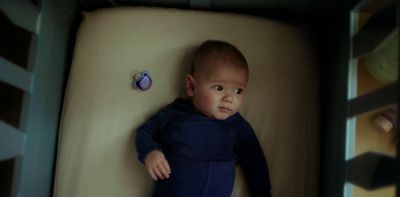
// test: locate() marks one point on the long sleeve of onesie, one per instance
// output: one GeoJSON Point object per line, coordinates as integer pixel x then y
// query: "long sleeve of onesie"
{"type": "Point", "coordinates": [148, 136]}
{"type": "Point", "coordinates": [253, 163]}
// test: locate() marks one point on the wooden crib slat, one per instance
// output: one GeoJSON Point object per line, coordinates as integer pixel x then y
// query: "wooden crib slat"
{"type": "Point", "coordinates": [11, 141]}
{"type": "Point", "coordinates": [373, 100]}
{"type": "Point", "coordinates": [22, 13]}
{"type": "Point", "coordinates": [15, 75]}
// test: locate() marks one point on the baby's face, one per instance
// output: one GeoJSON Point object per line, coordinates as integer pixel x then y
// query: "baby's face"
{"type": "Point", "coordinates": [218, 89]}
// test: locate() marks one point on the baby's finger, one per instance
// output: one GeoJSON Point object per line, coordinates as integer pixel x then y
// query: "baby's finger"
{"type": "Point", "coordinates": [158, 173]}
{"type": "Point", "coordinates": [166, 166]}
{"type": "Point", "coordinates": [163, 170]}
{"type": "Point", "coordinates": [152, 174]}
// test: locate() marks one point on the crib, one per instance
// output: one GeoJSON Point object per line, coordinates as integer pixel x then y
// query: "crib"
{"type": "Point", "coordinates": [69, 111]}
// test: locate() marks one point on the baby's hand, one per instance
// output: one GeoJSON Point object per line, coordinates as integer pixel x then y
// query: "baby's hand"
{"type": "Point", "coordinates": [157, 165]}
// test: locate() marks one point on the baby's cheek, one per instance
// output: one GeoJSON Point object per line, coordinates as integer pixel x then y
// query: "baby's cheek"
{"type": "Point", "coordinates": [206, 102]}
{"type": "Point", "coordinates": [239, 103]}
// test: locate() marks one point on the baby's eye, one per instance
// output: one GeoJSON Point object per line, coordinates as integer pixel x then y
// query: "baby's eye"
{"type": "Point", "coordinates": [218, 87]}
{"type": "Point", "coordinates": [239, 91]}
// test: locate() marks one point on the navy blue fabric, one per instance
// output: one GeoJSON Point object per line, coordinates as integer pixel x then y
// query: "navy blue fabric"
{"type": "Point", "coordinates": [203, 152]}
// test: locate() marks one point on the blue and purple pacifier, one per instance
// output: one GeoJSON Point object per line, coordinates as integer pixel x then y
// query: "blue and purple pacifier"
{"type": "Point", "coordinates": [142, 81]}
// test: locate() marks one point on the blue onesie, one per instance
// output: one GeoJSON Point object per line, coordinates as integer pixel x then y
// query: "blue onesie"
{"type": "Point", "coordinates": [203, 152]}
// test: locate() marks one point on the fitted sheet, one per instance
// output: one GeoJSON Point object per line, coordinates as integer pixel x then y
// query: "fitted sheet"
{"type": "Point", "coordinates": [96, 155]}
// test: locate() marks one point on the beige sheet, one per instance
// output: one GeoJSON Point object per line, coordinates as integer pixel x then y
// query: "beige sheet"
{"type": "Point", "coordinates": [101, 111]}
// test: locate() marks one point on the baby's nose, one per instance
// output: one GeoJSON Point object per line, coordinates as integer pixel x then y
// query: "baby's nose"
{"type": "Point", "coordinates": [228, 98]}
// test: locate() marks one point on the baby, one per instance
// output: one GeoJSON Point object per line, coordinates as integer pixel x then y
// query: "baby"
{"type": "Point", "coordinates": [192, 146]}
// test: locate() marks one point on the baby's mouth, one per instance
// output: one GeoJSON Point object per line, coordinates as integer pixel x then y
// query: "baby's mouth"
{"type": "Point", "coordinates": [224, 109]}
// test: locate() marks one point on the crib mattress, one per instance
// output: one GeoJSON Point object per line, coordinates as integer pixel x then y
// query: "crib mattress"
{"type": "Point", "coordinates": [96, 155]}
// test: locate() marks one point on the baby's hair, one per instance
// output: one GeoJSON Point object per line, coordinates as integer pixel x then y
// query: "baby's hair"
{"type": "Point", "coordinates": [220, 49]}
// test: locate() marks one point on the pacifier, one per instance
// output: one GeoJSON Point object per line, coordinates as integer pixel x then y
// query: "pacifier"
{"type": "Point", "coordinates": [142, 81]}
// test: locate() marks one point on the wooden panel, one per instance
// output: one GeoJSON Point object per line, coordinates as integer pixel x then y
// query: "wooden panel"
{"type": "Point", "coordinates": [371, 170]}
{"type": "Point", "coordinates": [376, 99]}
{"type": "Point", "coordinates": [370, 138]}
{"type": "Point", "coordinates": [21, 12]}
{"type": "Point", "coordinates": [11, 141]}
{"type": "Point", "coordinates": [373, 5]}
{"type": "Point", "coordinates": [374, 32]}
{"type": "Point", "coordinates": [6, 171]}
{"type": "Point", "coordinates": [11, 105]}
{"type": "Point", "coordinates": [15, 42]}
{"type": "Point", "coordinates": [14, 75]}
{"type": "Point", "coordinates": [335, 51]}
{"type": "Point", "coordinates": [43, 113]}
{"type": "Point", "coordinates": [200, 3]}
{"type": "Point", "coordinates": [70, 7]}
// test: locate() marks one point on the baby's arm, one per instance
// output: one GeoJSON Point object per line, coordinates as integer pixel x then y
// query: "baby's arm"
{"type": "Point", "coordinates": [149, 142]}
{"type": "Point", "coordinates": [157, 165]}
{"type": "Point", "coordinates": [254, 165]}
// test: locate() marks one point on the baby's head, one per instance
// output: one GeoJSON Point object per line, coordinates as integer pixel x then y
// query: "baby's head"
{"type": "Point", "coordinates": [218, 79]}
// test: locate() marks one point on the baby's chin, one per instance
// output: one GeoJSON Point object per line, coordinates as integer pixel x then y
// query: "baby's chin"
{"type": "Point", "coordinates": [216, 115]}
{"type": "Point", "coordinates": [221, 116]}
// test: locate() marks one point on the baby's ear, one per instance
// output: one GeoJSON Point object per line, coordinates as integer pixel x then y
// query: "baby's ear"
{"type": "Point", "coordinates": [189, 85]}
